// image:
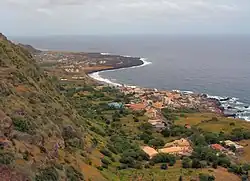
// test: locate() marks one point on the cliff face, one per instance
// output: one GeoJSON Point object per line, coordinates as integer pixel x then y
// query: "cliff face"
{"type": "Point", "coordinates": [40, 132]}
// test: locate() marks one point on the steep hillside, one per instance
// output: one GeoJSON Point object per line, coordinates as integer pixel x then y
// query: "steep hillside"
{"type": "Point", "coordinates": [30, 48]}
{"type": "Point", "coordinates": [41, 135]}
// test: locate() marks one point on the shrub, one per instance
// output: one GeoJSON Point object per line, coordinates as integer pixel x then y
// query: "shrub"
{"type": "Point", "coordinates": [164, 166]}
{"type": "Point", "coordinates": [20, 124]}
{"type": "Point", "coordinates": [105, 161]}
{"type": "Point", "coordinates": [163, 158]}
{"type": "Point", "coordinates": [73, 174]}
{"type": "Point", "coordinates": [156, 142]}
{"type": "Point", "coordinates": [97, 130]}
{"type": "Point", "coordinates": [26, 155]}
{"type": "Point", "coordinates": [146, 137]}
{"type": "Point", "coordinates": [6, 158]}
{"type": "Point", "coordinates": [47, 174]}
{"type": "Point", "coordinates": [206, 177]}
{"type": "Point", "coordinates": [105, 166]}
{"type": "Point", "coordinates": [186, 162]}
{"type": "Point", "coordinates": [122, 167]}
{"type": "Point", "coordinates": [112, 149]}
{"type": "Point", "coordinates": [106, 152]}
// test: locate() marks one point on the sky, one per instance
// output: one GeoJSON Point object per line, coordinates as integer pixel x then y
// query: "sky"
{"type": "Point", "coordinates": [87, 17]}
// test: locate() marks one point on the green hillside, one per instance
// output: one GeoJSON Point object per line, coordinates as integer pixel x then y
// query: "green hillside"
{"type": "Point", "coordinates": [41, 134]}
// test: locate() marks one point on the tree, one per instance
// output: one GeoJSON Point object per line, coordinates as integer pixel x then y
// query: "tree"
{"type": "Point", "coordinates": [196, 163]}
{"type": "Point", "coordinates": [156, 142]}
{"type": "Point", "coordinates": [206, 177]}
{"type": "Point", "coordinates": [186, 162]}
{"type": "Point", "coordinates": [163, 158]}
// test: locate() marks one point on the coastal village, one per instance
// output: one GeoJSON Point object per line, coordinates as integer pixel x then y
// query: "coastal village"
{"type": "Point", "coordinates": [152, 101]}
{"type": "Point", "coordinates": [122, 132]}
{"type": "Point", "coordinates": [147, 100]}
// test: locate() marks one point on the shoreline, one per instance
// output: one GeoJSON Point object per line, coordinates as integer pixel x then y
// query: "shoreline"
{"type": "Point", "coordinates": [229, 106]}
{"type": "Point", "coordinates": [95, 74]}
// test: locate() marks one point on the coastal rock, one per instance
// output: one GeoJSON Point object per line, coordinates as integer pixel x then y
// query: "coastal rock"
{"type": "Point", "coordinates": [225, 99]}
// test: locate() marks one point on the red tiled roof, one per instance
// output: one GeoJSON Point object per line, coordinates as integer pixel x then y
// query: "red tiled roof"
{"type": "Point", "coordinates": [217, 147]}
{"type": "Point", "coordinates": [137, 106]}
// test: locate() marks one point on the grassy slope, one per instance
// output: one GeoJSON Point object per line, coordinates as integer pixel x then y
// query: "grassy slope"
{"type": "Point", "coordinates": [40, 118]}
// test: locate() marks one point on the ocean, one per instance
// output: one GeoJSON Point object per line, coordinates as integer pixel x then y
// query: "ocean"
{"type": "Point", "coordinates": [215, 65]}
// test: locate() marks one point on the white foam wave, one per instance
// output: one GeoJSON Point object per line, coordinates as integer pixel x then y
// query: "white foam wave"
{"type": "Point", "coordinates": [105, 53]}
{"type": "Point", "coordinates": [247, 118]}
{"type": "Point", "coordinates": [233, 105]}
{"type": "Point", "coordinates": [96, 75]}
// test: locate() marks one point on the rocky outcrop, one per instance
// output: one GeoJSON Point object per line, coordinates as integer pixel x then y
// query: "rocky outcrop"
{"type": "Point", "coordinates": [6, 125]}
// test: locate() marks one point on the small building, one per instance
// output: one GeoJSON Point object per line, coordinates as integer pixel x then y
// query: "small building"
{"type": "Point", "coordinates": [151, 152]}
{"type": "Point", "coordinates": [151, 113]}
{"type": "Point", "coordinates": [187, 126]}
{"type": "Point", "coordinates": [177, 150]}
{"type": "Point", "coordinates": [178, 143]}
{"type": "Point", "coordinates": [230, 143]}
{"type": "Point", "coordinates": [137, 107]}
{"type": "Point", "coordinates": [158, 124]}
{"type": "Point", "coordinates": [115, 105]}
{"type": "Point", "coordinates": [217, 147]}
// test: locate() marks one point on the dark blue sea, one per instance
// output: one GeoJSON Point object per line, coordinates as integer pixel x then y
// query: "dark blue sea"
{"type": "Point", "coordinates": [215, 65]}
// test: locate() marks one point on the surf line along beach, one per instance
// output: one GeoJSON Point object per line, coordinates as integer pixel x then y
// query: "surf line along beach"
{"type": "Point", "coordinates": [96, 74]}
{"type": "Point", "coordinates": [230, 107]}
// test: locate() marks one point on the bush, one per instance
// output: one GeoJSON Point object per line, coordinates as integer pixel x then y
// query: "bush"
{"type": "Point", "coordinates": [106, 152]}
{"type": "Point", "coordinates": [164, 166]}
{"type": "Point", "coordinates": [105, 166]}
{"type": "Point", "coordinates": [122, 167]}
{"type": "Point", "coordinates": [196, 163]}
{"type": "Point", "coordinates": [105, 161]}
{"type": "Point", "coordinates": [163, 158]}
{"type": "Point", "coordinates": [146, 126]}
{"type": "Point", "coordinates": [206, 177]}
{"type": "Point", "coordinates": [97, 130]}
{"type": "Point", "coordinates": [112, 149]}
{"type": "Point", "coordinates": [20, 124]}
{"type": "Point", "coordinates": [48, 174]}
{"type": "Point", "coordinates": [73, 174]}
{"type": "Point", "coordinates": [26, 155]}
{"type": "Point", "coordinates": [156, 142]}
{"type": "Point", "coordinates": [146, 137]}
{"type": "Point", "coordinates": [186, 162]}
{"type": "Point", "coordinates": [6, 158]}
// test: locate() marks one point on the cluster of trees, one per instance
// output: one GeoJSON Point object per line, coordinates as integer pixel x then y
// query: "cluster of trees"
{"type": "Point", "coordinates": [176, 130]}
{"type": "Point", "coordinates": [203, 156]}
{"type": "Point", "coordinates": [51, 174]}
{"type": "Point", "coordinates": [239, 134]}
{"type": "Point", "coordinates": [164, 158]}
{"type": "Point", "coordinates": [206, 177]}
{"type": "Point", "coordinates": [133, 158]}
{"type": "Point", "coordinates": [147, 137]}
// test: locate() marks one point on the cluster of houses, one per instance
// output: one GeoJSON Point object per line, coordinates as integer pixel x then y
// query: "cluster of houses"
{"type": "Point", "coordinates": [172, 99]}
{"type": "Point", "coordinates": [227, 148]}
{"type": "Point", "coordinates": [181, 147]}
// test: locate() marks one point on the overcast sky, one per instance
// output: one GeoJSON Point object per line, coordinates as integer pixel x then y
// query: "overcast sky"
{"type": "Point", "coordinates": [79, 17]}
